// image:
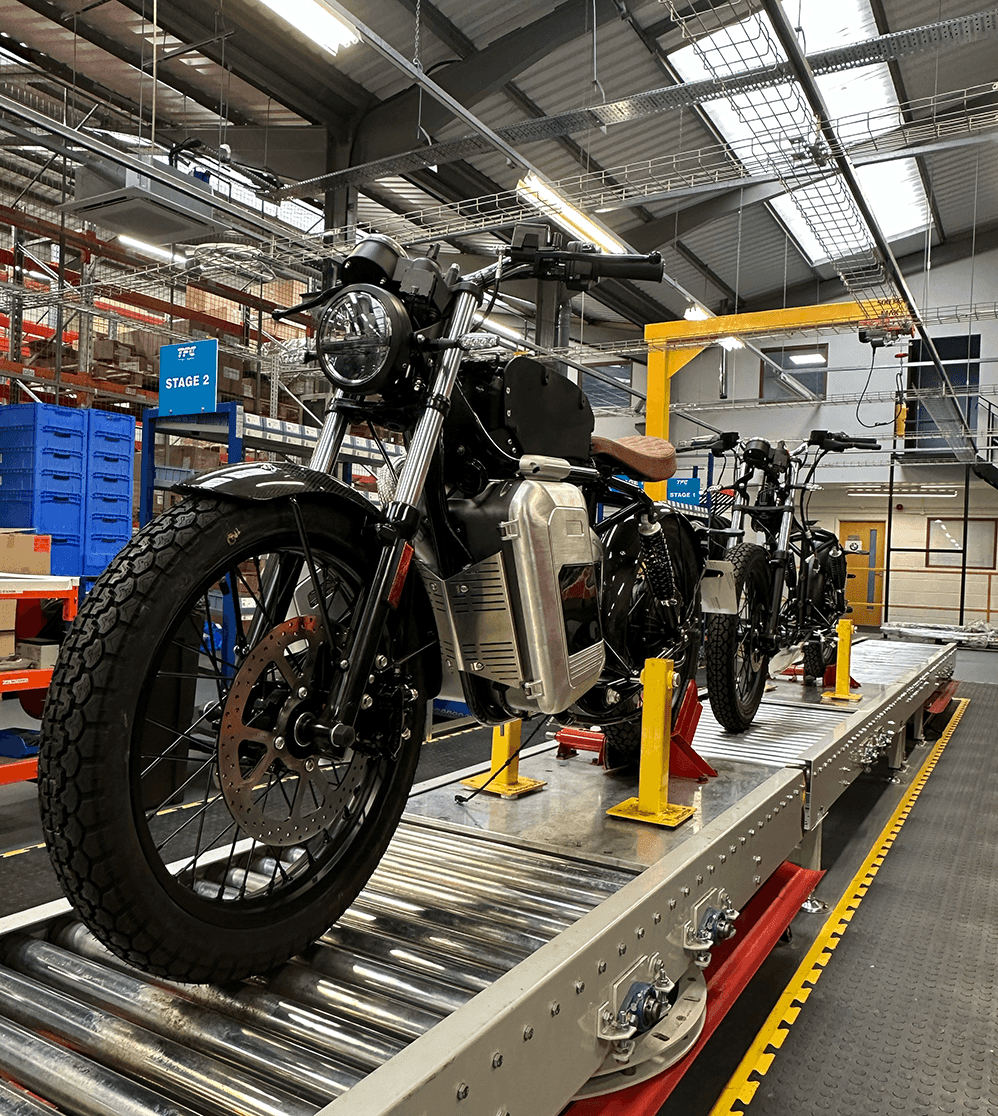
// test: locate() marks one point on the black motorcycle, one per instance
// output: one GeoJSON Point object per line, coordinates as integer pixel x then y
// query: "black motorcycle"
{"type": "Point", "coordinates": [787, 592]}
{"type": "Point", "coordinates": [235, 719]}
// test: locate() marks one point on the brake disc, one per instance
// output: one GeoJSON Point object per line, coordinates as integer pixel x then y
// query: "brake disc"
{"type": "Point", "coordinates": [276, 786]}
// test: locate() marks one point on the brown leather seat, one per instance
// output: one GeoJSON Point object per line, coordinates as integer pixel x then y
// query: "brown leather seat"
{"type": "Point", "coordinates": [639, 456]}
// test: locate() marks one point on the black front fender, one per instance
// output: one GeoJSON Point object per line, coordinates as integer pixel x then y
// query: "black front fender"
{"type": "Point", "coordinates": [267, 480]}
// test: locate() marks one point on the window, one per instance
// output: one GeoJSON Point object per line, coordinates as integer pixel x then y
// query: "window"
{"type": "Point", "coordinates": [605, 395]}
{"type": "Point", "coordinates": [807, 364]}
{"type": "Point", "coordinates": [921, 432]}
{"type": "Point", "coordinates": [944, 543]}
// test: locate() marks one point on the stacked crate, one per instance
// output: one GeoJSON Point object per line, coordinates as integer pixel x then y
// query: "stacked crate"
{"type": "Point", "coordinates": [110, 464]}
{"type": "Point", "coordinates": [68, 473]}
{"type": "Point", "coordinates": [43, 452]}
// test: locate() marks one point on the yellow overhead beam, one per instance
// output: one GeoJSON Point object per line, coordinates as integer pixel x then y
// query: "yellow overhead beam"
{"type": "Point", "coordinates": [704, 331]}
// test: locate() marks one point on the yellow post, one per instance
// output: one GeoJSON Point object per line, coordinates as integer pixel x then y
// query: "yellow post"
{"type": "Point", "coordinates": [503, 777]}
{"type": "Point", "coordinates": [652, 804]}
{"type": "Point", "coordinates": [662, 366]}
{"type": "Point", "coordinates": [843, 662]}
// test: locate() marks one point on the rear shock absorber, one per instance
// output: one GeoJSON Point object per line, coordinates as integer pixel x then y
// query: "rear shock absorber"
{"type": "Point", "coordinates": [658, 564]}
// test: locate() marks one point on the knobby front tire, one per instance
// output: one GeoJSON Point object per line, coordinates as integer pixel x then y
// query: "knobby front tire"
{"type": "Point", "coordinates": [190, 818]}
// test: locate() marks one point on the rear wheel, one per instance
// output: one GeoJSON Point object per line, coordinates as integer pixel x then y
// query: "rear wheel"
{"type": "Point", "coordinates": [199, 826]}
{"type": "Point", "coordinates": [736, 666]}
{"type": "Point", "coordinates": [819, 654]}
{"type": "Point", "coordinates": [622, 747]}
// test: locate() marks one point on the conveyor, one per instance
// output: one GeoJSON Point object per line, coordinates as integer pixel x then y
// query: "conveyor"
{"type": "Point", "coordinates": [490, 965]}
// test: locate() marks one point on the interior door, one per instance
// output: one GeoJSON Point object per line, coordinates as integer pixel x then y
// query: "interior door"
{"type": "Point", "coordinates": [864, 542]}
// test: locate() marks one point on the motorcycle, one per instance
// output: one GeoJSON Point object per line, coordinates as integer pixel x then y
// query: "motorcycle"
{"type": "Point", "coordinates": [235, 718]}
{"type": "Point", "coordinates": [787, 592]}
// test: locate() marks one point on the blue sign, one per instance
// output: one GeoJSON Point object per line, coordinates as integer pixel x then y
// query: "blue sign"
{"type": "Point", "coordinates": [188, 378]}
{"type": "Point", "coordinates": [683, 490]}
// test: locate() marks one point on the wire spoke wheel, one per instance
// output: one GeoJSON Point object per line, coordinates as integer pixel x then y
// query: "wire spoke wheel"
{"type": "Point", "coordinates": [234, 832]}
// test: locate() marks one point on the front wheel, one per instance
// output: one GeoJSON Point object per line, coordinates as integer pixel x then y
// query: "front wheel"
{"type": "Point", "coordinates": [200, 827]}
{"type": "Point", "coordinates": [736, 666]}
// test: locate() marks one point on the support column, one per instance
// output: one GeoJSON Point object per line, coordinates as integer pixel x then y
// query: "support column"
{"type": "Point", "coordinates": [662, 366]}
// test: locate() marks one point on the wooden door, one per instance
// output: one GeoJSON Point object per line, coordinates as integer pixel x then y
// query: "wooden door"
{"type": "Point", "coordinates": [864, 542]}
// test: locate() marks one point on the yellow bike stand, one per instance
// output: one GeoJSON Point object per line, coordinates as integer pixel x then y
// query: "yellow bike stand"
{"type": "Point", "coordinates": [652, 804]}
{"type": "Point", "coordinates": [842, 691]}
{"type": "Point", "coordinates": [508, 783]}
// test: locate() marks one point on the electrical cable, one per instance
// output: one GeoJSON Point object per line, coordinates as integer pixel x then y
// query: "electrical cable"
{"type": "Point", "coordinates": [463, 798]}
{"type": "Point", "coordinates": [892, 421]}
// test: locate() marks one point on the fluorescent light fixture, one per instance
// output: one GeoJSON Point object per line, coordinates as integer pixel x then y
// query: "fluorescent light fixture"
{"type": "Point", "coordinates": [730, 343]}
{"type": "Point", "coordinates": [548, 201]}
{"type": "Point", "coordinates": [153, 250]}
{"type": "Point", "coordinates": [695, 313]}
{"type": "Point", "coordinates": [911, 492]}
{"type": "Point", "coordinates": [807, 358]}
{"type": "Point", "coordinates": [316, 22]}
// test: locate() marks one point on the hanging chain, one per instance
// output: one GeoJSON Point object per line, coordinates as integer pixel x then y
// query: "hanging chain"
{"type": "Point", "coordinates": [418, 63]}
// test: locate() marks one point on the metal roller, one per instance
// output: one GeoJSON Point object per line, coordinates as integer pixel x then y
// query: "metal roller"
{"type": "Point", "coordinates": [251, 1003]}
{"type": "Point", "coordinates": [405, 1021]}
{"type": "Point", "coordinates": [211, 1086]}
{"type": "Point", "coordinates": [432, 966]}
{"type": "Point", "coordinates": [431, 909]}
{"type": "Point", "coordinates": [512, 891]}
{"type": "Point", "coordinates": [437, 940]}
{"type": "Point", "coordinates": [79, 1086]}
{"type": "Point", "coordinates": [310, 1075]}
{"type": "Point", "coordinates": [540, 866]}
{"type": "Point", "coordinates": [374, 978]}
{"type": "Point", "coordinates": [16, 1102]}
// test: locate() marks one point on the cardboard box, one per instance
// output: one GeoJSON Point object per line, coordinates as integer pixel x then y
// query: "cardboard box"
{"type": "Point", "coordinates": [7, 645]}
{"type": "Point", "coordinates": [25, 554]}
{"type": "Point", "coordinates": [41, 653]}
{"type": "Point", "coordinates": [8, 614]}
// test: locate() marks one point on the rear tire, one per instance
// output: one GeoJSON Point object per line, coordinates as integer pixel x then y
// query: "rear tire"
{"type": "Point", "coordinates": [622, 739]}
{"type": "Point", "coordinates": [736, 669]}
{"type": "Point", "coordinates": [197, 828]}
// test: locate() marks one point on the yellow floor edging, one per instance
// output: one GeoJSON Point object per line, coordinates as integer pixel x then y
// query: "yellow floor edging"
{"type": "Point", "coordinates": [759, 1057]}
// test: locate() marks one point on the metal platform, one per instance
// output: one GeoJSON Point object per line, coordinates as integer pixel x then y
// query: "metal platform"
{"type": "Point", "coordinates": [483, 968]}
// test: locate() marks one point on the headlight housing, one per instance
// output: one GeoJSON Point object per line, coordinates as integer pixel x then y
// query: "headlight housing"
{"type": "Point", "coordinates": [363, 338]}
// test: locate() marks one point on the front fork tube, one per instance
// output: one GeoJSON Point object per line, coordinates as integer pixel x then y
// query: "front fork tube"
{"type": "Point", "coordinates": [401, 522]}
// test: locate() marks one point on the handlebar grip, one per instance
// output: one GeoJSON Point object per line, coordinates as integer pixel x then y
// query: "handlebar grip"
{"type": "Point", "coordinates": [838, 440]}
{"type": "Point", "coordinates": [648, 267]}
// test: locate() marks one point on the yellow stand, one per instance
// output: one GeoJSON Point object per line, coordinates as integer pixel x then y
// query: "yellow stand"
{"type": "Point", "coordinates": [505, 741]}
{"type": "Point", "coordinates": [842, 664]}
{"type": "Point", "coordinates": [652, 804]}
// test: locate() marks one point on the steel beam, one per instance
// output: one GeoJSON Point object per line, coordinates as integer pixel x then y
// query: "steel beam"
{"type": "Point", "coordinates": [944, 409]}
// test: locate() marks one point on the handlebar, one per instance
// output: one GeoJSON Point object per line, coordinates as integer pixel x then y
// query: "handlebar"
{"type": "Point", "coordinates": [312, 300]}
{"type": "Point", "coordinates": [579, 263]}
{"type": "Point", "coordinates": [838, 440]}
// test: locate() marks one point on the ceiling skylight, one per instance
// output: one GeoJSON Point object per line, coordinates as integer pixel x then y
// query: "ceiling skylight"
{"type": "Point", "coordinates": [766, 128]}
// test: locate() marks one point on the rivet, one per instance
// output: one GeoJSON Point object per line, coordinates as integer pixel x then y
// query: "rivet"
{"type": "Point", "coordinates": [656, 918]}
{"type": "Point", "coordinates": [601, 967]}
{"type": "Point", "coordinates": [732, 849]}
{"type": "Point", "coordinates": [757, 880]}
{"type": "Point", "coordinates": [710, 869]}
{"type": "Point", "coordinates": [756, 859]}
{"type": "Point", "coordinates": [555, 1009]}
{"type": "Point", "coordinates": [621, 949]}
{"type": "Point", "coordinates": [672, 904]}
{"type": "Point", "coordinates": [743, 839]}
{"type": "Point", "coordinates": [496, 1060]}
{"type": "Point", "coordinates": [528, 1034]}
{"type": "Point", "coordinates": [462, 1091]}
{"type": "Point", "coordinates": [699, 879]}
{"type": "Point", "coordinates": [751, 833]}
{"type": "Point", "coordinates": [580, 987]}
{"type": "Point", "coordinates": [684, 890]}
{"type": "Point", "coordinates": [640, 933]}
{"type": "Point", "coordinates": [723, 859]}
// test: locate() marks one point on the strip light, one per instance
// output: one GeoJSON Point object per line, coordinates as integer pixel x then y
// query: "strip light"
{"type": "Point", "coordinates": [316, 22]}
{"type": "Point", "coordinates": [806, 358]}
{"type": "Point", "coordinates": [153, 250]}
{"type": "Point", "coordinates": [548, 201]}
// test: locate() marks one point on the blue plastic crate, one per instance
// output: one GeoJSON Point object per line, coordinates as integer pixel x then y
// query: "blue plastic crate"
{"type": "Point", "coordinates": [120, 526]}
{"type": "Point", "coordinates": [109, 503]}
{"type": "Point", "coordinates": [41, 427]}
{"type": "Point", "coordinates": [99, 552]}
{"type": "Point", "coordinates": [26, 481]}
{"type": "Point", "coordinates": [49, 513]}
{"type": "Point", "coordinates": [108, 484]}
{"type": "Point", "coordinates": [110, 463]}
{"type": "Point", "coordinates": [110, 431]}
{"type": "Point", "coordinates": [67, 555]}
{"type": "Point", "coordinates": [33, 461]}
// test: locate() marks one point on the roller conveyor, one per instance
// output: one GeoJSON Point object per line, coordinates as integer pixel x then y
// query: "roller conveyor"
{"type": "Point", "coordinates": [487, 961]}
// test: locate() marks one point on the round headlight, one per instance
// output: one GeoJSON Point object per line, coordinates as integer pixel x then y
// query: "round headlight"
{"type": "Point", "coordinates": [363, 334]}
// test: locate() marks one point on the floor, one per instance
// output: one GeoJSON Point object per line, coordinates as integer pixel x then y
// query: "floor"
{"type": "Point", "coordinates": [936, 970]}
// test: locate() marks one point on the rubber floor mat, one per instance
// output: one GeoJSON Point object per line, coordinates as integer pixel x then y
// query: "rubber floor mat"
{"type": "Point", "coordinates": [904, 1017]}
